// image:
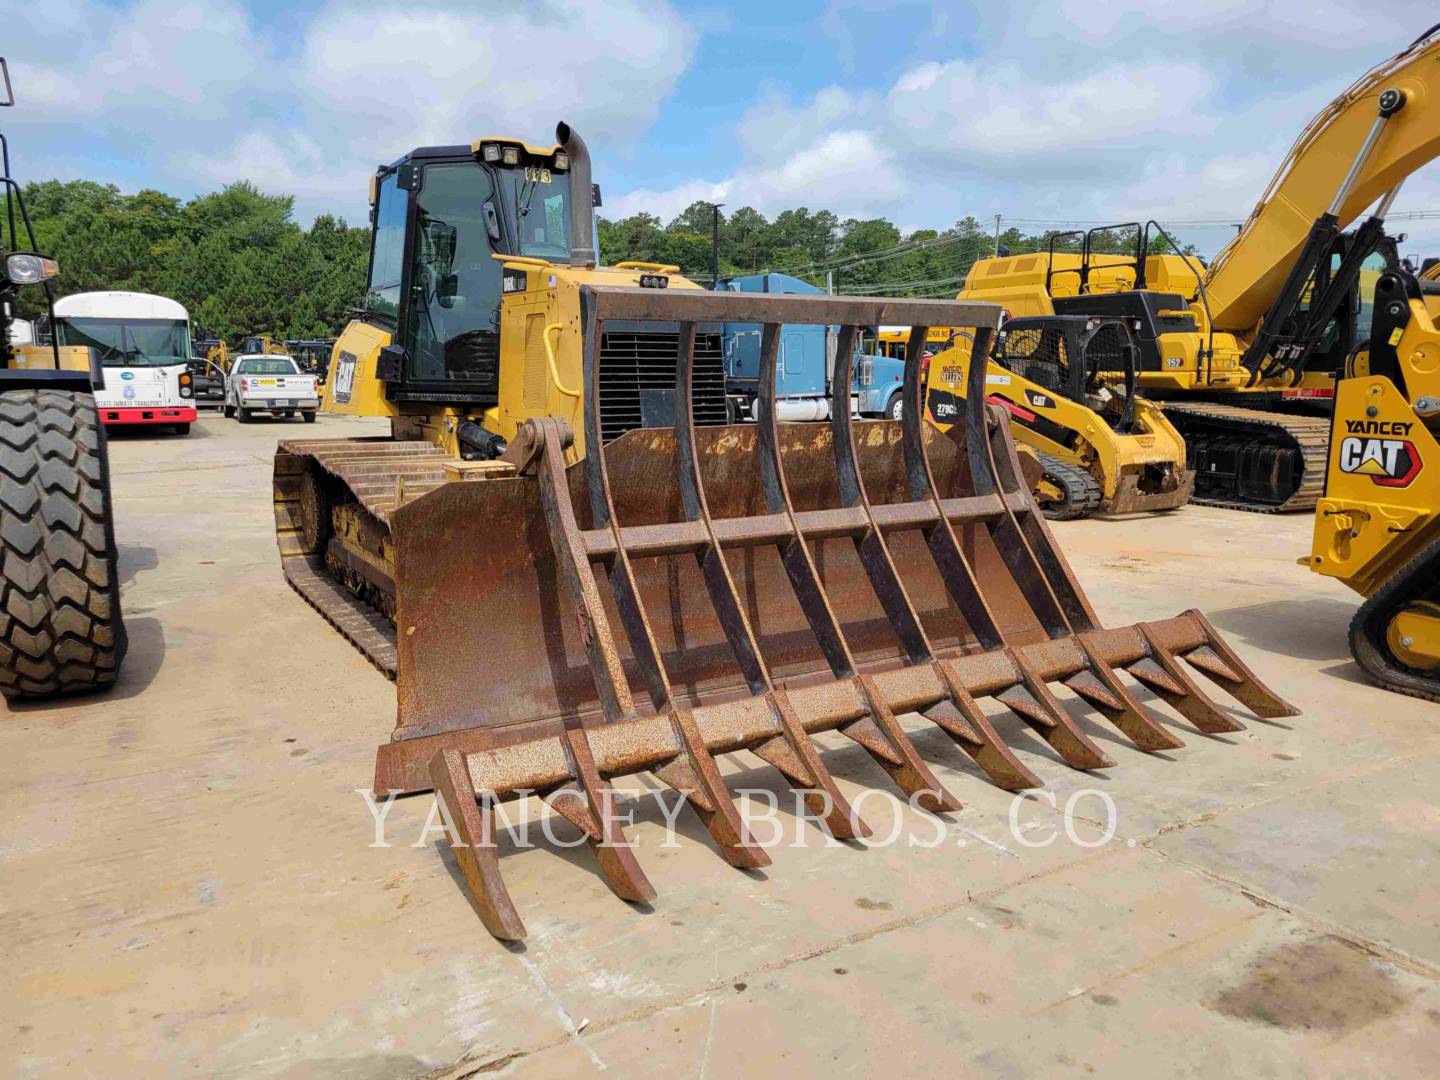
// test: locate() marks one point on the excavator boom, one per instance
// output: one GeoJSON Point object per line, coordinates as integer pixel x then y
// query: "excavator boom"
{"type": "Point", "coordinates": [1353, 153]}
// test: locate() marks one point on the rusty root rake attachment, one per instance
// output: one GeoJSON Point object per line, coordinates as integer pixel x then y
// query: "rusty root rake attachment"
{"type": "Point", "coordinates": [695, 591]}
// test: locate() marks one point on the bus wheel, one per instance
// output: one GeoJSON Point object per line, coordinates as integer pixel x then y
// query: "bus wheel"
{"type": "Point", "coordinates": [61, 630]}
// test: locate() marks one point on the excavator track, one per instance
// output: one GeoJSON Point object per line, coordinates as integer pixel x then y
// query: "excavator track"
{"type": "Point", "coordinates": [1082, 494]}
{"type": "Point", "coordinates": [1201, 422]}
{"type": "Point", "coordinates": [312, 476]}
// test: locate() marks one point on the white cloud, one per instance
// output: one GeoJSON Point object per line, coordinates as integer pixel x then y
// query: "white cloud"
{"type": "Point", "coordinates": [199, 96]}
{"type": "Point", "coordinates": [843, 171]}
{"type": "Point", "coordinates": [1075, 110]}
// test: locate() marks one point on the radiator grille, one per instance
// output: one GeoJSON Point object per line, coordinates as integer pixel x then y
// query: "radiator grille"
{"type": "Point", "coordinates": [632, 362]}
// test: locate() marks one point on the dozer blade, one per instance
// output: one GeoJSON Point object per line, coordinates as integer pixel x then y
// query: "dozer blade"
{"type": "Point", "coordinates": [688, 591]}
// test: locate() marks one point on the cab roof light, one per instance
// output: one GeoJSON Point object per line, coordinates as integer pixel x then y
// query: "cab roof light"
{"type": "Point", "coordinates": [510, 155]}
{"type": "Point", "coordinates": [490, 152]}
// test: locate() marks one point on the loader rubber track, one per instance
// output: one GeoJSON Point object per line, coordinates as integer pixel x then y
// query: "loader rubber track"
{"type": "Point", "coordinates": [377, 474]}
{"type": "Point", "coordinates": [1310, 434]}
{"type": "Point", "coordinates": [1416, 580]}
{"type": "Point", "coordinates": [61, 630]}
{"type": "Point", "coordinates": [1082, 494]}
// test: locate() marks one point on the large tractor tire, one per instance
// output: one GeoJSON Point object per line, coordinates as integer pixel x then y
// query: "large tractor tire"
{"type": "Point", "coordinates": [61, 629]}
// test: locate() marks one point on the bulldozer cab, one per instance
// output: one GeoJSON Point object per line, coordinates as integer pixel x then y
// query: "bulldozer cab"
{"type": "Point", "coordinates": [441, 215]}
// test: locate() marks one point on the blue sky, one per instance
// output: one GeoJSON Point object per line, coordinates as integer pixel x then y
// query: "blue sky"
{"type": "Point", "coordinates": [923, 113]}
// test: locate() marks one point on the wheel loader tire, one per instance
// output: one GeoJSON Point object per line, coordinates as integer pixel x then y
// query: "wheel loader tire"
{"type": "Point", "coordinates": [308, 416]}
{"type": "Point", "coordinates": [895, 407]}
{"type": "Point", "coordinates": [1081, 494]}
{"type": "Point", "coordinates": [61, 630]}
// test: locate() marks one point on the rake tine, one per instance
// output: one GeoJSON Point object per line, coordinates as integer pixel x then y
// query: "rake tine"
{"type": "Point", "coordinates": [795, 756]}
{"type": "Point", "coordinates": [476, 854]}
{"type": "Point", "coordinates": [1173, 685]}
{"type": "Point", "coordinates": [696, 776]}
{"type": "Point", "coordinates": [1235, 677]}
{"type": "Point", "coordinates": [966, 723]}
{"type": "Point", "coordinates": [1034, 703]}
{"type": "Point", "coordinates": [1113, 700]}
{"type": "Point", "coordinates": [910, 774]}
{"type": "Point", "coordinates": [612, 851]}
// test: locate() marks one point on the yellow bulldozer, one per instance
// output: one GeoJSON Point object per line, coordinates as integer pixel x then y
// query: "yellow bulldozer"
{"type": "Point", "coordinates": [1245, 352]}
{"type": "Point", "coordinates": [576, 570]}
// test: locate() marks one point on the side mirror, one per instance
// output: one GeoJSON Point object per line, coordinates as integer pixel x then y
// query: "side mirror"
{"type": "Point", "coordinates": [446, 289]}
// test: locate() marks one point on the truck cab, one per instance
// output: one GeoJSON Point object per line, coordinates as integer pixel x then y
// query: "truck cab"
{"type": "Point", "coordinates": [805, 363]}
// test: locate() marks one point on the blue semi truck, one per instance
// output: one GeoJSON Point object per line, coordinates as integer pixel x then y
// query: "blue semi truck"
{"type": "Point", "coordinates": [805, 364]}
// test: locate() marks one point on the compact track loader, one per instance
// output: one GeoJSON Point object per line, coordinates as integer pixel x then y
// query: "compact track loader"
{"type": "Point", "coordinates": [1377, 528]}
{"type": "Point", "coordinates": [576, 570]}
{"type": "Point", "coordinates": [1069, 384]}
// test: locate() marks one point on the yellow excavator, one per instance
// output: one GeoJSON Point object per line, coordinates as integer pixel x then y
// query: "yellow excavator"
{"type": "Point", "coordinates": [1377, 528]}
{"type": "Point", "coordinates": [1244, 353]}
{"type": "Point", "coordinates": [576, 570]}
{"type": "Point", "coordinates": [1098, 446]}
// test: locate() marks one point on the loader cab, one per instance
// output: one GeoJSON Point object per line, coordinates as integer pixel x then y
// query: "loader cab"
{"type": "Point", "coordinates": [439, 217]}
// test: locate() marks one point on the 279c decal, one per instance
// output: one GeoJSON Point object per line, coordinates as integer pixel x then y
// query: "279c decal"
{"type": "Point", "coordinates": [1372, 449]}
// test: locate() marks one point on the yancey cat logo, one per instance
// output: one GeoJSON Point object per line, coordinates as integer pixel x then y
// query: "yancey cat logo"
{"type": "Point", "coordinates": [1379, 450]}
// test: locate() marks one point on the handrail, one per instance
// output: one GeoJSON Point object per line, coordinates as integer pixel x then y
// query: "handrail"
{"type": "Point", "coordinates": [550, 356]}
{"type": "Point", "coordinates": [636, 264]}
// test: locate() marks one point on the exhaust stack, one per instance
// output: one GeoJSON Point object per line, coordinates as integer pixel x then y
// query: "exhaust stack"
{"type": "Point", "coordinates": [582, 201]}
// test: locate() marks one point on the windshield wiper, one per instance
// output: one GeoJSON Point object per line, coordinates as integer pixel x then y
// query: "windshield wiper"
{"type": "Point", "coordinates": [527, 196]}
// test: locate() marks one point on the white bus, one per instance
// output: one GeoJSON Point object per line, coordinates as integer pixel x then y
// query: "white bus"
{"type": "Point", "coordinates": [144, 347]}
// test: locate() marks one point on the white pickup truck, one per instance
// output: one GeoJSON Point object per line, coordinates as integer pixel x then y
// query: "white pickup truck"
{"type": "Point", "coordinates": [271, 384]}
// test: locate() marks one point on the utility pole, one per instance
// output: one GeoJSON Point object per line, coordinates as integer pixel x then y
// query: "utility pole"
{"type": "Point", "coordinates": [997, 236]}
{"type": "Point", "coordinates": [830, 282]}
{"type": "Point", "coordinates": [715, 244]}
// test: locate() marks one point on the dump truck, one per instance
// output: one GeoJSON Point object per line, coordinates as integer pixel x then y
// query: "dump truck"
{"type": "Point", "coordinates": [1244, 353]}
{"type": "Point", "coordinates": [576, 569]}
{"type": "Point", "coordinates": [61, 630]}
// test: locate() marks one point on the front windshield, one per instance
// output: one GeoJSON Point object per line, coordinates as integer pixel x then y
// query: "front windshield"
{"type": "Point", "coordinates": [130, 342]}
{"type": "Point", "coordinates": [537, 202]}
{"type": "Point", "coordinates": [267, 367]}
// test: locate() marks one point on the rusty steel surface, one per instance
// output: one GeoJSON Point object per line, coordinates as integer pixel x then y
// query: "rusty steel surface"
{"type": "Point", "coordinates": [687, 592]}
{"type": "Point", "coordinates": [1130, 499]}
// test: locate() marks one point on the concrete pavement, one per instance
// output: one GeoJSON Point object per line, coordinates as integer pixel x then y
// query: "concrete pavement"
{"type": "Point", "coordinates": [187, 886]}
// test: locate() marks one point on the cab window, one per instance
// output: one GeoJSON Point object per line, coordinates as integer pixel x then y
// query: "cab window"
{"type": "Point", "coordinates": [387, 256]}
{"type": "Point", "coordinates": [452, 325]}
